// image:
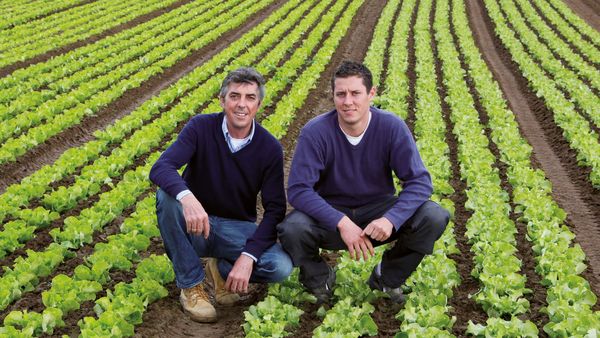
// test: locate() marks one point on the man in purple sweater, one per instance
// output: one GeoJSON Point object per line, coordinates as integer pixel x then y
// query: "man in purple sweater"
{"type": "Point", "coordinates": [341, 187]}
{"type": "Point", "coordinates": [211, 210]}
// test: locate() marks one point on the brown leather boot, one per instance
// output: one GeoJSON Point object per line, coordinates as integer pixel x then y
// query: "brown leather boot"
{"type": "Point", "coordinates": [223, 296]}
{"type": "Point", "coordinates": [196, 303]}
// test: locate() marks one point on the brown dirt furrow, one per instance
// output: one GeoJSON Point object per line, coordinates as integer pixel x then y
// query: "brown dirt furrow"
{"type": "Point", "coordinates": [588, 10]}
{"type": "Point", "coordinates": [50, 150]}
{"type": "Point", "coordinates": [571, 187]}
{"type": "Point", "coordinates": [112, 31]}
{"type": "Point", "coordinates": [410, 72]}
{"type": "Point", "coordinates": [165, 317]}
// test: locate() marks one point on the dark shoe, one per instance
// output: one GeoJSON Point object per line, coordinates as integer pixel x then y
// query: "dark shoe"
{"type": "Point", "coordinates": [325, 292]}
{"type": "Point", "coordinates": [376, 283]}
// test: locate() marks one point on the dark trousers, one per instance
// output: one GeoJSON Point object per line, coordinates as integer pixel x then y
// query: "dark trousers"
{"type": "Point", "coordinates": [301, 236]}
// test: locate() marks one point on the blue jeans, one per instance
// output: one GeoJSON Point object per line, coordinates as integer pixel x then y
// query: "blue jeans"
{"type": "Point", "coordinates": [226, 241]}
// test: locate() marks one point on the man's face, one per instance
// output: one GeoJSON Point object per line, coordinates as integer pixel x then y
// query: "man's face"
{"type": "Point", "coordinates": [352, 101]}
{"type": "Point", "coordinates": [241, 102]}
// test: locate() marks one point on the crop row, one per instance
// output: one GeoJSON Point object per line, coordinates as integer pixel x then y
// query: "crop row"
{"type": "Point", "coordinates": [150, 160]}
{"type": "Point", "coordinates": [576, 129]}
{"type": "Point", "coordinates": [585, 70]}
{"type": "Point", "coordinates": [38, 183]}
{"type": "Point", "coordinates": [559, 262]}
{"type": "Point", "coordinates": [26, 41]}
{"type": "Point", "coordinates": [66, 237]}
{"type": "Point", "coordinates": [15, 147]}
{"type": "Point", "coordinates": [76, 232]}
{"type": "Point", "coordinates": [79, 230]}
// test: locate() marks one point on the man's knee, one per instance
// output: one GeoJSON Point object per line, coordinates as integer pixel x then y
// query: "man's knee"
{"type": "Point", "coordinates": [168, 211]}
{"type": "Point", "coordinates": [282, 268]}
{"type": "Point", "coordinates": [164, 202]}
{"type": "Point", "coordinates": [437, 218]}
{"type": "Point", "coordinates": [427, 225]}
{"type": "Point", "coordinates": [294, 226]}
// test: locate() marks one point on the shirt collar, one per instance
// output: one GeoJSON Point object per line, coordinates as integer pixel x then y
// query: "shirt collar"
{"type": "Point", "coordinates": [229, 138]}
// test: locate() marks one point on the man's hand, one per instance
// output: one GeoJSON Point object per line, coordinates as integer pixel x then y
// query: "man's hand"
{"type": "Point", "coordinates": [196, 219]}
{"type": "Point", "coordinates": [238, 278]}
{"type": "Point", "coordinates": [357, 243]}
{"type": "Point", "coordinates": [379, 229]}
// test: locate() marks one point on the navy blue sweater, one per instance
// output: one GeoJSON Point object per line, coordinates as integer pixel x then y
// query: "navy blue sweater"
{"type": "Point", "coordinates": [328, 171]}
{"type": "Point", "coordinates": [226, 183]}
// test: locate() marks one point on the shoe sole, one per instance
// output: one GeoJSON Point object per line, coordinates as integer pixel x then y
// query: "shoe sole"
{"type": "Point", "coordinates": [200, 319]}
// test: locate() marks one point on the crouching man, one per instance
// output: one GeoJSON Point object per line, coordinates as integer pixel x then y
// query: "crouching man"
{"type": "Point", "coordinates": [341, 186]}
{"type": "Point", "coordinates": [210, 210]}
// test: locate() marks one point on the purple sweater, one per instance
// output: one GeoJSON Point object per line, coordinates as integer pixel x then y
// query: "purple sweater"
{"type": "Point", "coordinates": [225, 183]}
{"type": "Point", "coordinates": [328, 171]}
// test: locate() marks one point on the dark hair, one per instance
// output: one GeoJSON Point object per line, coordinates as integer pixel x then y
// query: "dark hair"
{"type": "Point", "coordinates": [244, 75]}
{"type": "Point", "coordinates": [351, 68]}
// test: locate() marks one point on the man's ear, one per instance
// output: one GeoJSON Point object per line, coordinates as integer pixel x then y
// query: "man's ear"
{"type": "Point", "coordinates": [222, 101]}
{"type": "Point", "coordinates": [372, 93]}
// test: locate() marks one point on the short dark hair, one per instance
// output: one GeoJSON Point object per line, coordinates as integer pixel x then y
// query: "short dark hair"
{"type": "Point", "coordinates": [244, 75]}
{"type": "Point", "coordinates": [352, 68]}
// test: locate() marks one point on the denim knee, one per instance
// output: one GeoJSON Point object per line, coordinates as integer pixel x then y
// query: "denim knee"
{"type": "Point", "coordinates": [282, 268]}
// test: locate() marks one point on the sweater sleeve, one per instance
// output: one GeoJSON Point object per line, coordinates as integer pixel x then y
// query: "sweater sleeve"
{"type": "Point", "coordinates": [274, 205]}
{"type": "Point", "coordinates": [408, 166]}
{"type": "Point", "coordinates": [307, 165]}
{"type": "Point", "coordinates": [164, 171]}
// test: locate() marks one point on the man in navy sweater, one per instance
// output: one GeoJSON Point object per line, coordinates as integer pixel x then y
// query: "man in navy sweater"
{"type": "Point", "coordinates": [211, 210]}
{"type": "Point", "coordinates": [341, 187]}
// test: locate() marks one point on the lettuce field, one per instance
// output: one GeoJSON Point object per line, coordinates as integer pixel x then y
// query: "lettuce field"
{"type": "Point", "coordinates": [502, 97]}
